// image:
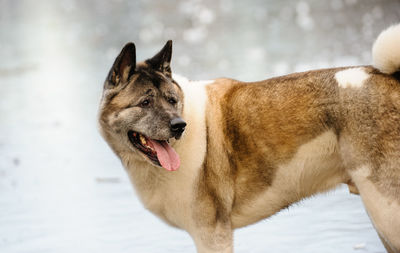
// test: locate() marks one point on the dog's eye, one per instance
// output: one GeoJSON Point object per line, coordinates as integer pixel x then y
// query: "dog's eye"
{"type": "Point", "coordinates": [145, 103]}
{"type": "Point", "coordinates": [172, 101]}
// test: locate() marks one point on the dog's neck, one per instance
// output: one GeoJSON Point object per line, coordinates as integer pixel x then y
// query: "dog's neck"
{"type": "Point", "coordinates": [156, 185]}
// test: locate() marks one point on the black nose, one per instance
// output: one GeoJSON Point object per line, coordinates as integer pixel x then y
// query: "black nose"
{"type": "Point", "coordinates": [177, 125]}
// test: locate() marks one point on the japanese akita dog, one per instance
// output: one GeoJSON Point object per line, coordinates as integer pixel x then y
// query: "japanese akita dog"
{"type": "Point", "coordinates": [212, 156]}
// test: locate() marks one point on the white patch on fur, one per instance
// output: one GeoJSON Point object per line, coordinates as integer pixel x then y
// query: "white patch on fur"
{"type": "Point", "coordinates": [316, 167]}
{"type": "Point", "coordinates": [383, 211]}
{"type": "Point", "coordinates": [386, 50]}
{"type": "Point", "coordinates": [192, 146]}
{"type": "Point", "coordinates": [353, 77]}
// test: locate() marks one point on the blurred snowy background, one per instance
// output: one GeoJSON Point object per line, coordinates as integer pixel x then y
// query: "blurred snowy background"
{"type": "Point", "coordinates": [62, 189]}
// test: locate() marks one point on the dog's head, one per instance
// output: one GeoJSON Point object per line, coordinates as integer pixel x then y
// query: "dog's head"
{"type": "Point", "coordinates": [141, 107]}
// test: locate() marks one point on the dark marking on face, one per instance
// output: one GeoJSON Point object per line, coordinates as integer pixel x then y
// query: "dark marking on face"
{"type": "Point", "coordinates": [148, 75]}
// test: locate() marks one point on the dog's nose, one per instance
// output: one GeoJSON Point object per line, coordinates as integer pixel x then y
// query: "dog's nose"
{"type": "Point", "coordinates": [177, 125]}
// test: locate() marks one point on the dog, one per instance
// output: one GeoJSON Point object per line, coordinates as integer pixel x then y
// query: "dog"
{"type": "Point", "coordinates": [212, 156]}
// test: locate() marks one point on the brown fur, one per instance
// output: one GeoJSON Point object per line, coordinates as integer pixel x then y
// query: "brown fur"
{"type": "Point", "coordinates": [371, 124]}
{"type": "Point", "coordinates": [249, 158]}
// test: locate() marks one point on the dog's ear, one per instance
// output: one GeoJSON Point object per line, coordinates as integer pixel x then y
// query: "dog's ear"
{"type": "Point", "coordinates": [161, 61]}
{"type": "Point", "coordinates": [123, 67]}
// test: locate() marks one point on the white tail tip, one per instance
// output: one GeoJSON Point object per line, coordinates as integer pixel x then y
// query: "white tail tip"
{"type": "Point", "coordinates": [386, 50]}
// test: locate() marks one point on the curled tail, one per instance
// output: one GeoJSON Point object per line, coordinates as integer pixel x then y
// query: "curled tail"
{"type": "Point", "coordinates": [386, 50]}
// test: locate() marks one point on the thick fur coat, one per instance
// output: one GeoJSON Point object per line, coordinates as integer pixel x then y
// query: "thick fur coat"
{"type": "Point", "coordinates": [243, 151]}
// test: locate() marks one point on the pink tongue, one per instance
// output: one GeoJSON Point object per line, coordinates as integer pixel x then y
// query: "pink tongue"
{"type": "Point", "coordinates": [167, 156]}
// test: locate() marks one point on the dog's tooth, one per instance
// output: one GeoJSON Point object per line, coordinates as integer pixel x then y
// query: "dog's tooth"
{"type": "Point", "coordinates": [142, 139]}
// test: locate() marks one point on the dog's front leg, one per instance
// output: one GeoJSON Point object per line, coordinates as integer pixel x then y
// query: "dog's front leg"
{"type": "Point", "coordinates": [211, 225]}
{"type": "Point", "coordinates": [216, 238]}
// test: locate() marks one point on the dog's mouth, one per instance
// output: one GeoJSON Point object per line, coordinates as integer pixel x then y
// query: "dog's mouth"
{"type": "Point", "coordinates": [159, 152]}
